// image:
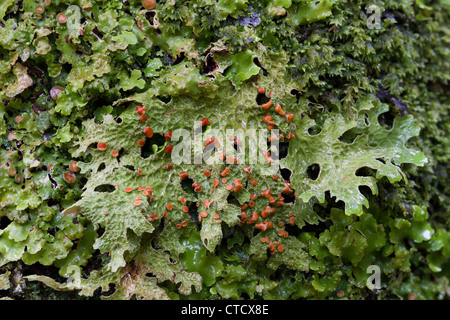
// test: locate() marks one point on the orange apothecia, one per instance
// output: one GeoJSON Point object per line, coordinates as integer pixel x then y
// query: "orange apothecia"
{"type": "Point", "coordinates": [149, 4]}
{"type": "Point", "coordinates": [289, 117]}
{"type": "Point", "coordinates": [61, 17]}
{"type": "Point", "coordinates": [168, 135]}
{"type": "Point", "coordinates": [141, 142]}
{"type": "Point", "coordinates": [279, 110]}
{"type": "Point", "coordinates": [183, 175]}
{"type": "Point", "coordinates": [101, 146]}
{"type": "Point", "coordinates": [261, 90]}
{"type": "Point", "coordinates": [197, 187]}
{"type": "Point", "coordinates": [206, 203]}
{"type": "Point", "coordinates": [168, 149]}
{"type": "Point", "coordinates": [225, 172]}
{"type": "Point", "coordinates": [205, 122]}
{"type": "Point", "coordinates": [12, 172]}
{"type": "Point", "coordinates": [253, 218]}
{"type": "Point", "coordinates": [267, 105]}
{"type": "Point", "coordinates": [140, 110]}
{"type": "Point", "coordinates": [69, 177]}
{"type": "Point", "coordinates": [39, 9]}
{"type": "Point", "coordinates": [148, 132]}
{"type": "Point", "coordinates": [209, 141]}
{"type": "Point", "coordinates": [237, 185]}
{"type": "Point", "coordinates": [55, 91]}
{"type": "Point", "coordinates": [207, 173]}
{"type": "Point", "coordinates": [266, 193]}
{"type": "Point", "coordinates": [182, 200]}
{"type": "Point", "coordinates": [73, 166]}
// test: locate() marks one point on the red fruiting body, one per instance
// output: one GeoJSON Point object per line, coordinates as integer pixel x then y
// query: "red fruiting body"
{"type": "Point", "coordinates": [290, 136]}
{"type": "Point", "coordinates": [266, 193]}
{"type": "Point", "coordinates": [263, 226]}
{"type": "Point", "coordinates": [168, 148]}
{"type": "Point", "coordinates": [56, 90]}
{"type": "Point", "coordinates": [39, 9]}
{"type": "Point", "coordinates": [267, 118]}
{"type": "Point", "coordinates": [267, 105]}
{"type": "Point", "coordinates": [149, 4]}
{"type": "Point", "coordinates": [141, 142]}
{"type": "Point", "coordinates": [253, 218]}
{"type": "Point", "coordinates": [101, 146]}
{"type": "Point", "coordinates": [73, 166]}
{"type": "Point", "coordinates": [148, 132]}
{"type": "Point", "coordinates": [244, 216]}
{"type": "Point", "coordinates": [264, 214]}
{"type": "Point", "coordinates": [168, 135]}
{"type": "Point", "coordinates": [279, 110]}
{"type": "Point", "coordinates": [183, 175]}
{"type": "Point", "coordinates": [273, 138]}
{"type": "Point", "coordinates": [143, 118]}
{"type": "Point", "coordinates": [225, 172]}
{"type": "Point", "coordinates": [61, 17]}
{"type": "Point", "coordinates": [289, 117]}
{"type": "Point", "coordinates": [205, 122]}
{"type": "Point", "coordinates": [207, 173]}
{"type": "Point", "coordinates": [140, 110]}
{"type": "Point", "coordinates": [115, 154]}
{"type": "Point", "coordinates": [221, 155]}
{"type": "Point", "coordinates": [69, 177]}
{"type": "Point", "coordinates": [261, 90]}
{"type": "Point", "coordinates": [209, 141]}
